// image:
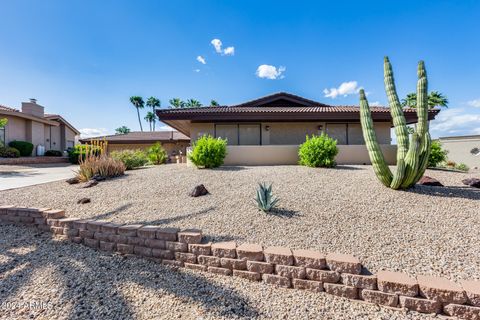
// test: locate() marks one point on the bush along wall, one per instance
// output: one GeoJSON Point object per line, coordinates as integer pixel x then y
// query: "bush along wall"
{"type": "Point", "coordinates": [333, 273]}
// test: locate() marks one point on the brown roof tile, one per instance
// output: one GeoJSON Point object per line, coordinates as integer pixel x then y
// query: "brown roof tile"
{"type": "Point", "coordinates": [141, 137]}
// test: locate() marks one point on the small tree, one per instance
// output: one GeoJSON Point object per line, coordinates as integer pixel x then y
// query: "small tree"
{"type": "Point", "coordinates": [3, 122]}
{"type": "Point", "coordinates": [437, 154]}
{"type": "Point", "coordinates": [214, 103]}
{"type": "Point", "coordinates": [122, 130]}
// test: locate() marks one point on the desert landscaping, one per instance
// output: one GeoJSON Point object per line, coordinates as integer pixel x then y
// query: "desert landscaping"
{"type": "Point", "coordinates": [423, 231]}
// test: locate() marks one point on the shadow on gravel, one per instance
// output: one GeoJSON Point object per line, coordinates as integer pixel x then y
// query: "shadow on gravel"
{"type": "Point", "coordinates": [112, 212]}
{"type": "Point", "coordinates": [89, 283]}
{"type": "Point", "coordinates": [284, 213]}
{"type": "Point", "coordinates": [230, 168]}
{"type": "Point", "coordinates": [447, 192]}
{"type": "Point", "coordinates": [343, 167]}
{"type": "Point", "coordinates": [177, 218]}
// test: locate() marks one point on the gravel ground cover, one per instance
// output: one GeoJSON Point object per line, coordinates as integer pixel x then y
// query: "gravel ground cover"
{"type": "Point", "coordinates": [427, 230]}
{"type": "Point", "coordinates": [42, 278]}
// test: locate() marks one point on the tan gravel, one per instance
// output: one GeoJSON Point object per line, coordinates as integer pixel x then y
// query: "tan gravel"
{"type": "Point", "coordinates": [427, 230]}
{"type": "Point", "coordinates": [41, 278]}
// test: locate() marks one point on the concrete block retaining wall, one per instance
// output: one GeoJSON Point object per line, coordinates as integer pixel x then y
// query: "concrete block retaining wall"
{"type": "Point", "coordinates": [336, 274]}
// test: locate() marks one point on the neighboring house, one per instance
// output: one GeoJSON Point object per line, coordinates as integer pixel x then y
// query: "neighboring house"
{"type": "Point", "coordinates": [33, 125]}
{"type": "Point", "coordinates": [463, 149]}
{"type": "Point", "coordinates": [268, 130]}
{"type": "Point", "coordinates": [172, 141]}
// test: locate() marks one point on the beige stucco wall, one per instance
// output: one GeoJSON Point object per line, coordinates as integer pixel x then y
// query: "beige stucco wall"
{"type": "Point", "coordinates": [288, 155]}
{"type": "Point", "coordinates": [15, 129]}
{"type": "Point", "coordinates": [70, 137]}
{"type": "Point", "coordinates": [199, 129]}
{"type": "Point", "coordinates": [459, 150]}
{"type": "Point", "coordinates": [292, 133]}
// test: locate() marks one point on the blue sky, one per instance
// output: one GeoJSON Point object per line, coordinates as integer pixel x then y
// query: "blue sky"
{"type": "Point", "coordinates": [84, 59]}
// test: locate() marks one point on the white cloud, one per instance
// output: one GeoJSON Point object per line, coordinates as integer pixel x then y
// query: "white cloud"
{"type": "Point", "coordinates": [217, 44]}
{"type": "Point", "coordinates": [346, 88]}
{"type": "Point", "coordinates": [270, 72]}
{"type": "Point", "coordinates": [474, 103]}
{"type": "Point", "coordinates": [229, 51]}
{"type": "Point", "coordinates": [196, 70]}
{"type": "Point", "coordinates": [93, 132]}
{"type": "Point", "coordinates": [455, 122]}
{"type": "Point", "coordinates": [374, 104]}
{"type": "Point", "coordinates": [201, 60]}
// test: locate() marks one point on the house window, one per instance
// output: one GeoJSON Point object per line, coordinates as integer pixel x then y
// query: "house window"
{"type": "Point", "coordinates": [337, 131]}
{"type": "Point", "coordinates": [239, 134]}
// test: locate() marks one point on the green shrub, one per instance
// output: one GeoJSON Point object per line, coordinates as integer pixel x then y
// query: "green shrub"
{"type": "Point", "coordinates": [437, 154]}
{"type": "Point", "coordinates": [208, 152]}
{"type": "Point", "coordinates": [9, 152]}
{"type": "Point", "coordinates": [24, 147]}
{"type": "Point", "coordinates": [318, 151]}
{"type": "Point", "coordinates": [79, 151]}
{"type": "Point", "coordinates": [156, 154]}
{"type": "Point", "coordinates": [131, 158]}
{"type": "Point", "coordinates": [53, 153]}
{"type": "Point", "coordinates": [462, 167]}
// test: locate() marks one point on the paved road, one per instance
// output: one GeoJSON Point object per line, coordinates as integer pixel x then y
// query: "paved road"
{"type": "Point", "coordinates": [12, 177]}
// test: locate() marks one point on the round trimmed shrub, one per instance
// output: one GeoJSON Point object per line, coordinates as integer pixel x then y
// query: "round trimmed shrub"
{"type": "Point", "coordinates": [318, 151]}
{"type": "Point", "coordinates": [208, 152]}
{"type": "Point", "coordinates": [53, 153]}
{"type": "Point", "coordinates": [9, 152]}
{"type": "Point", "coordinates": [24, 147]}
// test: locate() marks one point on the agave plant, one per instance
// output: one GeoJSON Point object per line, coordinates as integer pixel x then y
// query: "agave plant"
{"type": "Point", "coordinates": [265, 199]}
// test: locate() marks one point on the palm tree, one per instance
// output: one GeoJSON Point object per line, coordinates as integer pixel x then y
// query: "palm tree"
{"type": "Point", "coordinates": [214, 103]}
{"type": "Point", "coordinates": [435, 99]}
{"type": "Point", "coordinates": [176, 103]}
{"type": "Point", "coordinates": [139, 104]}
{"type": "Point", "coordinates": [153, 103]}
{"type": "Point", "coordinates": [122, 130]}
{"type": "Point", "coordinates": [192, 103]}
{"type": "Point", "coordinates": [410, 101]}
{"type": "Point", "coordinates": [150, 118]}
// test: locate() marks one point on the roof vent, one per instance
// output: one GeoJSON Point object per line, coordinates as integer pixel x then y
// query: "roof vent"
{"type": "Point", "coordinates": [32, 100]}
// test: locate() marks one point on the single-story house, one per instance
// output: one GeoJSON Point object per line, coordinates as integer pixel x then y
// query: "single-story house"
{"type": "Point", "coordinates": [174, 142]}
{"type": "Point", "coordinates": [269, 130]}
{"type": "Point", "coordinates": [463, 149]}
{"type": "Point", "coordinates": [32, 124]}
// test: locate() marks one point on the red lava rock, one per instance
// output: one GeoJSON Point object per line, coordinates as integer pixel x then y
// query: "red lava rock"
{"type": "Point", "coordinates": [429, 181]}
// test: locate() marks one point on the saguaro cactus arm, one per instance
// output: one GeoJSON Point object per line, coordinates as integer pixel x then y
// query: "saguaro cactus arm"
{"type": "Point", "coordinates": [376, 156]}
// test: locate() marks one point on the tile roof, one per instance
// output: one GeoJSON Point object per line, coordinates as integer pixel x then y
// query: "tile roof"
{"type": "Point", "coordinates": [277, 103]}
{"type": "Point", "coordinates": [5, 108]}
{"type": "Point", "coordinates": [138, 136]}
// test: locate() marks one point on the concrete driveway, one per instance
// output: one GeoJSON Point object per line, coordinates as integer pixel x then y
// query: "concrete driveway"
{"type": "Point", "coordinates": [12, 177]}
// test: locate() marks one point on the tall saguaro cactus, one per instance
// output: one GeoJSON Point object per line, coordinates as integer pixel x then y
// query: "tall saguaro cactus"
{"type": "Point", "coordinates": [412, 156]}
